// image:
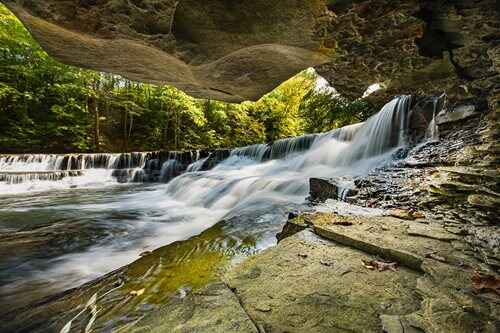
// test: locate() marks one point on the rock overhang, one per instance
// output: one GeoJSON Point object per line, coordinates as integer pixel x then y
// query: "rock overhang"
{"type": "Point", "coordinates": [215, 49]}
{"type": "Point", "coordinates": [228, 51]}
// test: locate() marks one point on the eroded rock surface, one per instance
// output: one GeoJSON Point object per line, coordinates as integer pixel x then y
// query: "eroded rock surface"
{"type": "Point", "coordinates": [421, 275]}
{"type": "Point", "coordinates": [214, 49]}
{"type": "Point", "coordinates": [237, 51]}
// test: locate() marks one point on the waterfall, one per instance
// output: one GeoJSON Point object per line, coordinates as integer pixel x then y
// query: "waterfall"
{"type": "Point", "coordinates": [254, 175]}
{"type": "Point", "coordinates": [357, 147]}
{"type": "Point", "coordinates": [255, 152]}
{"type": "Point", "coordinates": [387, 129]}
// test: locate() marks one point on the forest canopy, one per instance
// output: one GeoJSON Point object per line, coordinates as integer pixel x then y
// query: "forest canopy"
{"type": "Point", "coordinates": [51, 107]}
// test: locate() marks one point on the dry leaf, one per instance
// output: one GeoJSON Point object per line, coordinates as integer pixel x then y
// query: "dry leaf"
{"type": "Point", "coordinates": [434, 256]}
{"type": "Point", "coordinates": [483, 281]}
{"type": "Point", "coordinates": [137, 292]}
{"type": "Point", "coordinates": [380, 265]}
{"type": "Point", "coordinates": [326, 262]}
{"type": "Point", "coordinates": [344, 223]}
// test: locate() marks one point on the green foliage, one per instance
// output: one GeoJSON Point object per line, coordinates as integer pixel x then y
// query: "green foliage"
{"type": "Point", "coordinates": [47, 106]}
{"type": "Point", "coordinates": [323, 111]}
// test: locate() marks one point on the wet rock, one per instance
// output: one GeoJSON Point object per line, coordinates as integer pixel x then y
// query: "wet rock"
{"type": "Point", "coordinates": [292, 227]}
{"type": "Point", "coordinates": [214, 308]}
{"type": "Point", "coordinates": [321, 189]}
{"type": "Point", "coordinates": [459, 113]}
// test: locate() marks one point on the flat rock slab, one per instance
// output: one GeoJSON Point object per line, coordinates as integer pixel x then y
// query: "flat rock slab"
{"type": "Point", "coordinates": [306, 284]}
{"type": "Point", "coordinates": [406, 242]}
{"type": "Point", "coordinates": [429, 231]}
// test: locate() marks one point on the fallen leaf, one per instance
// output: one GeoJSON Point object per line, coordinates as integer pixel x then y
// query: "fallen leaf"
{"type": "Point", "coordinates": [326, 262]}
{"type": "Point", "coordinates": [401, 214]}
{"type": "Point", "coordinates": [434, 256]}
{"type": "Point", "coordinates": [380, 265]}
{"type": "Point", "coordinates": [418, 215]}
{"type": "Point", "coordinates": [263, 307]}
{"type": "Point", "coordinates": [483, 281]}
{"type": "Point", "coordinates": [137, 292]}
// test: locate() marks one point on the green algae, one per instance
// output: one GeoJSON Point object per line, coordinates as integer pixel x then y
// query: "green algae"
{"type": "Point", "coordinates": [125, 296]}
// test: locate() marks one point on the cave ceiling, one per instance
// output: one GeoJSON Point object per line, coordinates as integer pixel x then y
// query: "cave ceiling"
{"type": "Point", "coordinates": [240, 50]}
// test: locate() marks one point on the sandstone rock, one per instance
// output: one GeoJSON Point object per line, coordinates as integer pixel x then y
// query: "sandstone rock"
{"type": "Point", "coordinates": [312, 297]}
{"type": "Point", "coordinates": [488, 201]}
{"type": "Point", "coordinates": [389, 238]}
{"type": "Point", "coordinates": [214, 49]}
{"type": "Point", "coordinates": [346, 297]}
{"type": "Point", "coordinates": [396, 324]}
{"type": "Point", "coordinates": [430, 231]}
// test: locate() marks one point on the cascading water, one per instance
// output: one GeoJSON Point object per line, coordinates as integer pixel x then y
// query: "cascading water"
{"type": "Point", "coordinates": [244, 180]}
{"type": "Point", "coordinates": [197, 165]}
{"type": "Point", "coordinates": [261, 181]}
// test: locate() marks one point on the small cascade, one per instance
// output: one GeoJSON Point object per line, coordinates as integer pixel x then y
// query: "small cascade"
{"type": "Point", "coordinates": [282, 148]}
{"type": "Point", "coordinates": [22, 177]}
{"type": "Point", "coordinates": [169, 170]}
{"type": "Point", "coordinates": [36, 162]}
{"type": "Point", "coordinates": [197, 165]}
{"type": "Point", "coordinates": [255, 152]}
{"type": "Point", "coordinates": [432, 132]}
{"type": "Point", "coordinates": [287, 147]}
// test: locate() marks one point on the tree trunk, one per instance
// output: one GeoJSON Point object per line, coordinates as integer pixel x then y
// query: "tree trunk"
{"type": "Point", "coordinates": [94, 109]}
{"type": "Point", "coordinates": [176, 141]}
{"type": "Point", "coordinates": [125, 134]}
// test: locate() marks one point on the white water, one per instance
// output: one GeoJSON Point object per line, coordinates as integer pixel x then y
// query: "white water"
{"type": "Point", "coordinates": [197, 165]}
{"type": "Point", "coordinates": [194, 201]}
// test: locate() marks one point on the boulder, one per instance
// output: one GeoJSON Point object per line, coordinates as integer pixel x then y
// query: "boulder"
{"type": "Point", "coordinates": [321, 189]}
